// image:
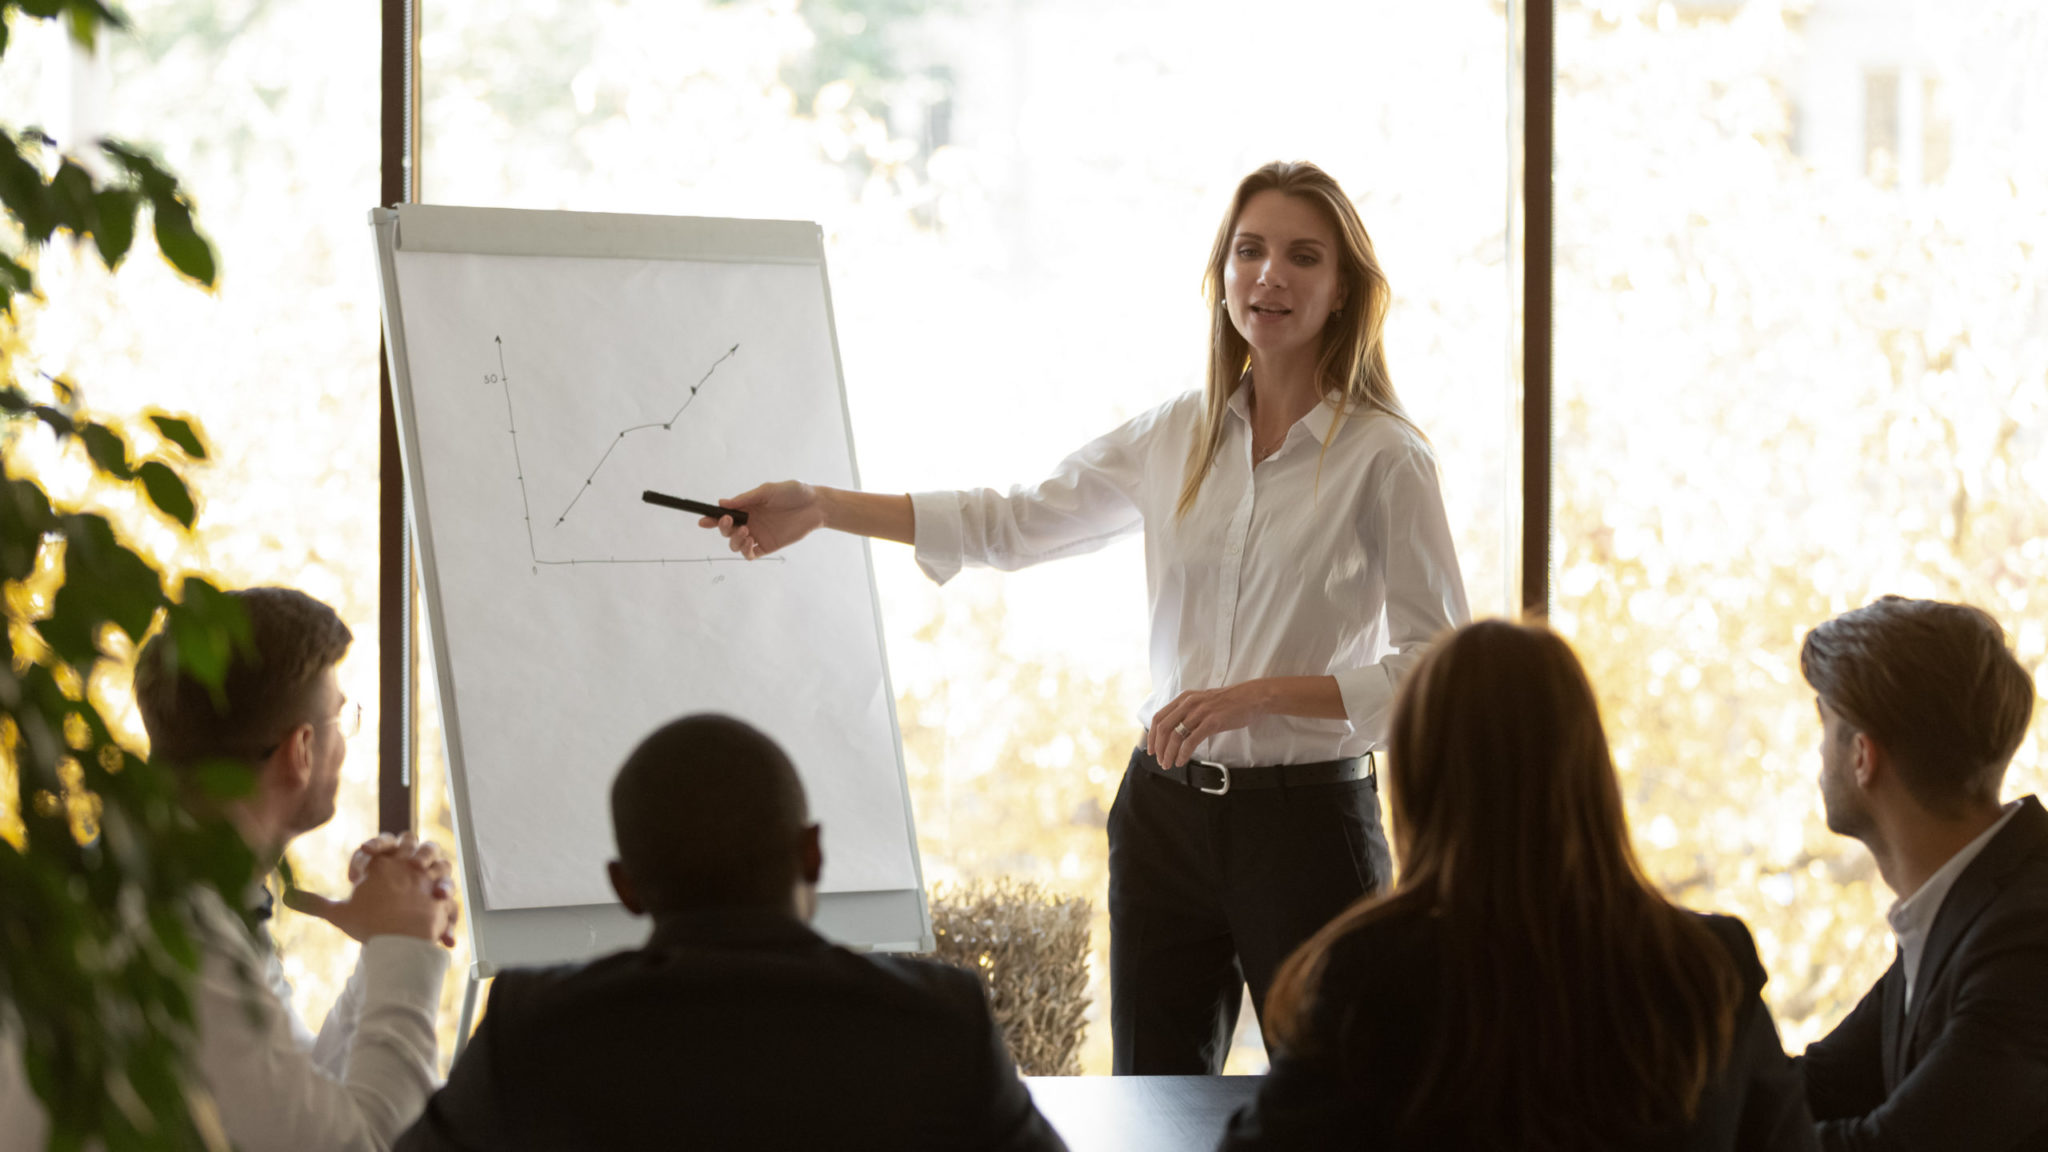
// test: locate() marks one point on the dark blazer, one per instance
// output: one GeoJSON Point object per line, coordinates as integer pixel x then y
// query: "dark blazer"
{"type": "Point", "coordinates": [1374, 1012]}
{"type": "Point", "coordinates": [1968, 1067]}
{"type": "Point", "coordinates": [736, 1029]}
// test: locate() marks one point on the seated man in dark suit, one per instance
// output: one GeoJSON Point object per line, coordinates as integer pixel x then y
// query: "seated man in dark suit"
{"type": "Point", "coordinates": [736, 1026]}
{"type": "Point", "coordinates": [1922, 705]}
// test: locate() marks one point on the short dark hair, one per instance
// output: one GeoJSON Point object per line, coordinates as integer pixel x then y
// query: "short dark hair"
{"type": "Point", "coordinates": [708, 812]}
{"type": "Point", "coordinates": [1936, 686]}
{"type": "Point", "coordinates": [267, 691]}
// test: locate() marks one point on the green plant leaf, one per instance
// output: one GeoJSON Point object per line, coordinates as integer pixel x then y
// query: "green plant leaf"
{"type": "Point", "coordinates": [14, 277]}
{"type": "Point", "coordinates": [224, 779]}
{"type": "Point", "coordinates": [180, 241]}
{"type": "Point", "coordinates": [141, 167]}
{"type": "Point", "coordinates": [58, 420]}
{"type": "Point", "coordinates": [71, 199]}
{"type": "Point", "coordinates": [222, 857]}
{"type": "Point", "coordinates": [23, 192]}
{"type": "Point", "coordinates": [174, 938]}
{"type": "Point", "coordinates": [84, 29]}
{"type": "Point", "coordinates": [25, 518]}
{"type": "Point", "coordinates": [167, 491]}
{"type": "Point", "coordinates": [108, 451]}
{"type": "Point", "coordinates": [72, 627]}
{"type": "Point", "coordinates": [179, 431]}
{"type": "Point", "coordinates": [115, 232]}
{"type": "Point", "coordinates": [123, 586]}
{"type": "Point", "coordinates": [205, 627]}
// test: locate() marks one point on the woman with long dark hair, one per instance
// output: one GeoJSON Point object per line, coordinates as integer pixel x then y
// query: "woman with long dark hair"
{"type": "Point", "coordinates": [1297, 561]}
{"type": "Point", "coordinates": [1524, 986]}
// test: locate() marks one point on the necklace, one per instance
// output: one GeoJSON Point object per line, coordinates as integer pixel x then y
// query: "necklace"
{"type": "Point", "coordinates": [1259, 454]}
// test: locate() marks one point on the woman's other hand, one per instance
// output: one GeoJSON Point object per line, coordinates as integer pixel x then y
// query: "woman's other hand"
{"type": "Point", "coordinates": [1192, 717]}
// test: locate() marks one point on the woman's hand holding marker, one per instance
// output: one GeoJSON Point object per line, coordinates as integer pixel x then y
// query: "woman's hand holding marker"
{"type": "Point", "coordinates": [776, 516]}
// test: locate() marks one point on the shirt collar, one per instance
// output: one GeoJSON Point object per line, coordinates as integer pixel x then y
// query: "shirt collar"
{"type": "Point", "coordinates": [1913, 917]}
{"type": "Point", "coordinates": [732, 927]}
{"type": "Point", "coordinates": [1318, 420]}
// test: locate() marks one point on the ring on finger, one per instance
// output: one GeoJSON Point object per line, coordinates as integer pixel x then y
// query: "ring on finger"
{"type": "Point", "coordinates": [1180, 730]}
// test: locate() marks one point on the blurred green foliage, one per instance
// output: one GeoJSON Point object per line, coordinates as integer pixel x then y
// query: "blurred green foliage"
{"type": "Point", "coordinates": [100, 859]}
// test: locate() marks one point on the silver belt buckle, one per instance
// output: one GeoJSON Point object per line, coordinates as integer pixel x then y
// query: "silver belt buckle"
{"type": "Point", "coordinates": [1224, 769]}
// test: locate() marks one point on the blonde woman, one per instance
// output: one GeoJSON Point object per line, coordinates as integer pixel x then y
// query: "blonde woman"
{"type": "Point", "coordinates": [1297, 561]}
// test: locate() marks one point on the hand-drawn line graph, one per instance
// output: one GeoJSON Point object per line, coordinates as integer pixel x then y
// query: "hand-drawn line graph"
{"type": "Point", "coordinates": [526, 503]}
{"type": "Point", "coordinates": [664, 425]}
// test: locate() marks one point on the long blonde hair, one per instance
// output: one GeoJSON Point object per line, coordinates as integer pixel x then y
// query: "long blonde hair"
{"type": "Point", "coordinates": [1353, 365]}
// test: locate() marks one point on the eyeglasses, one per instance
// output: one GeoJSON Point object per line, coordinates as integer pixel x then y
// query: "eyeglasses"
{"type": "Point", "coordinates": [349, 720]}
{"type": "Point", "coordinates": [347, 723]}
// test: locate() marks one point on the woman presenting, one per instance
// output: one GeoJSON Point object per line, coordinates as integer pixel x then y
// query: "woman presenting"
{"type": "Point", "coordinates": [1297, 560]}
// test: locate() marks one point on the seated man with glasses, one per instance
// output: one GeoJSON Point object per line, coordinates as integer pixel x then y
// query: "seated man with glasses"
{"type": "Point", "coordinates": [275, 1084]}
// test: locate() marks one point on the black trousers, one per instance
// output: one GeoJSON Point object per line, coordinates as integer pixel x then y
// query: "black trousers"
{"type": "Point", "coordinates": [1208, 893]}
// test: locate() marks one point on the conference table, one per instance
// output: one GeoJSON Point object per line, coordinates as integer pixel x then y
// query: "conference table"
{"type": "Point", "coordinates": [1140, 1113]}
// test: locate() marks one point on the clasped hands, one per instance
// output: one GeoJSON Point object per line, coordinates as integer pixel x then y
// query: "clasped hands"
{"type": "Point", "coordinates": [400, 886]}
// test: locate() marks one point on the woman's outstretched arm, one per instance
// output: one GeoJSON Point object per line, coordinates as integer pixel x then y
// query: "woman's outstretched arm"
{"type": "Point", "coordinates": [782, 513]}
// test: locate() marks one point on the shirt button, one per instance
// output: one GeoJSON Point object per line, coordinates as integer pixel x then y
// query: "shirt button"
{"type": "Point", "coordinates": [1235, 547]}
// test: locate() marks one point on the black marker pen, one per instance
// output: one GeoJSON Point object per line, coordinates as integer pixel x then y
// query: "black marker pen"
{"type": "Point", "coordinates": [697, 506]}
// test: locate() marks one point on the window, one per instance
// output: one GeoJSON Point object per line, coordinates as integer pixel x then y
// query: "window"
{"type": "Point", "coordinates": [1018, 199]}
{"type": "Point", "coordinates": [1782, 393]}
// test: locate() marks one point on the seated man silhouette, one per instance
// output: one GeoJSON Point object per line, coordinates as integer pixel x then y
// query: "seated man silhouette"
{"type": "Point", "coordinates": [736, 1025]}
{"type": "Point", "coordinates": [1922, 706]}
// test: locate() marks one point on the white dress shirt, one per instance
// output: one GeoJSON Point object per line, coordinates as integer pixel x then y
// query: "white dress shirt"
{"type": "Point", "coordinates": [353, 1088]}
{"type": "Point", "coordinates": [1913, 918]}
{"type": "Point", "coordinates": [1314, 563]}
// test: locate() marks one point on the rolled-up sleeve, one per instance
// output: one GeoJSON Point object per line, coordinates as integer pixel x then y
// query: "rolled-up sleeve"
{"type": "Point", "coordinates": [1090, 500]}
{"type": "Point", "coordinates": [1425, 594]}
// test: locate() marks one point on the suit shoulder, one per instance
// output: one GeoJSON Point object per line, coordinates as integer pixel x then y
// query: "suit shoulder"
{"type": "Point", "coordinates": [1731, 933]}
{"type": "Point", "coordinates": [2032, 874]}
{"type": "Point", "coordinates": [2019, 910]}
{"type": "Point", "coordinates": [1733, 936]}
{"type": "Point", "coordinates": [524, 989]}
{"type": "Point", "coordinates": [943, 983]}
{"type": "Point", "coordinates": [2015, 866]}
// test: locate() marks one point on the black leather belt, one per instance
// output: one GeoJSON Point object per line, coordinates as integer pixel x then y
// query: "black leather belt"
{"type": "Point", "coordinates": [1220, 779]}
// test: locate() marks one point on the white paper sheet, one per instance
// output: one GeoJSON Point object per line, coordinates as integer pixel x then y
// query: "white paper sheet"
{"type": "Point", "coordinates": [548, 393]}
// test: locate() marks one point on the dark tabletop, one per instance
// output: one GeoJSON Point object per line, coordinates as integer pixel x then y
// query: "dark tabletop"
{"type": "Point", "coordinates": [1140, 1113]}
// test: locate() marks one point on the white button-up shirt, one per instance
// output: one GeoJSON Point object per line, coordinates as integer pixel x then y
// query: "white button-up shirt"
{"type": "Point", "coordinates": [1913, 918]}
{"type": "Point", "coordinates": [355, 1087]}
{"type": "Point", "coordinates": [1313, 563]}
